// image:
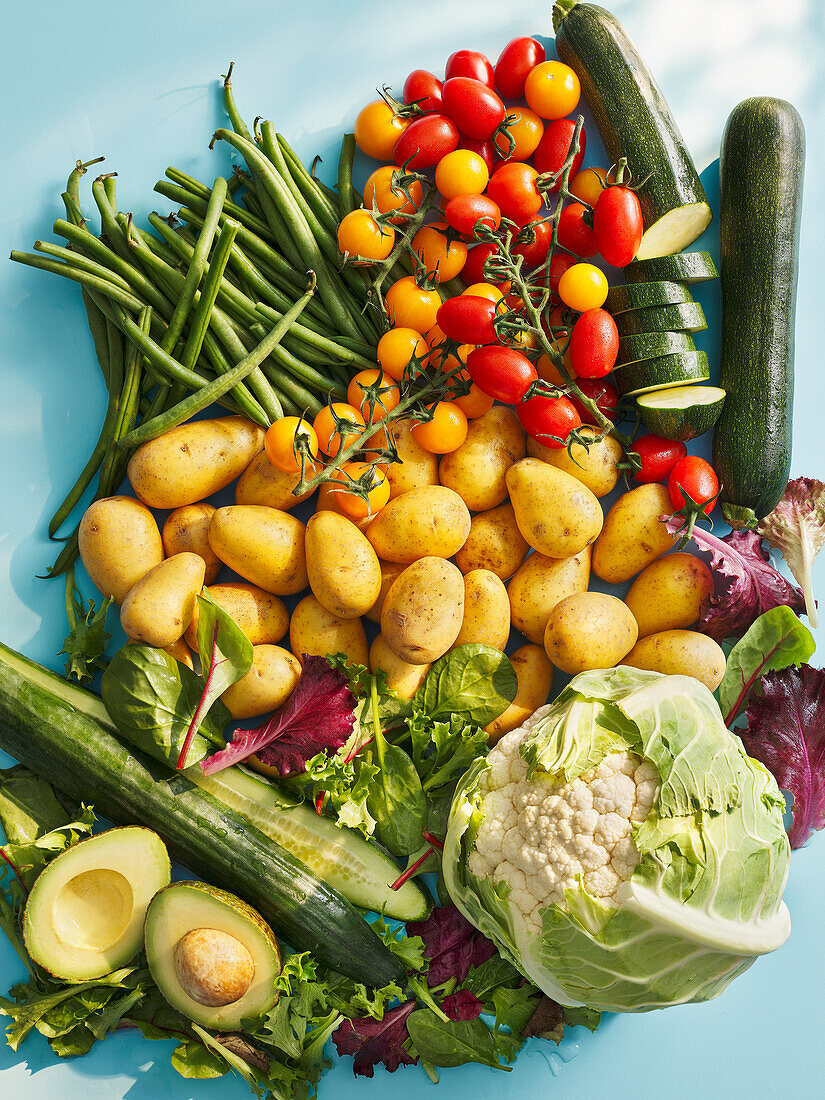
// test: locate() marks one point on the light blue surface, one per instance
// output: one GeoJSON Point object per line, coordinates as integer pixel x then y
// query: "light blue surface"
{"type": "Point", "coordinates": [138, 84]}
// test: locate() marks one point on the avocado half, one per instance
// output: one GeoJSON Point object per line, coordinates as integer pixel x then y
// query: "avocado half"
{"type": "Point", "coordinates": [212, 956]}
{"type": "Point", "coordinates": [84, 915]}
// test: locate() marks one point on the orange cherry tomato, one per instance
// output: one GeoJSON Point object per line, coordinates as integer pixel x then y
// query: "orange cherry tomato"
{"type": "Point", "coordinates": [280, 444]}
{"type": "Point", "coordinates": [330, 436]}
{"type": "Point", "coordinates": [583, 286]}
{"type": "Point", "coordinates": [475, 403]}
{"type": "Point", "coordinates": [588, 184]}
{"type": "Point", "coordinates": [445, 432]}
{"type": "Point", "coordinates": [442, 259]}
{"type": "Point", "coordinates": [483, 290]}
{"type": "Point", "coordinates": [461, 172]}
{"type": "Point", "coordinates": [385, 395]}
{"type": "Point", "coordinates": [397, 348]}
{"type": "Point", "coordinates": [377, 130]}
{"type": "Point", "coordinates": [378, 489]}
{"type": "Point", "coordinates": [411, 306]}
{"type": "Point", "coordinates": [549, 372]}
{"type": "Point", "coordinates": [552, 89]}
{"type": "Point", "coordinates": [526, 130]}
{"type": "Point", "coordinates": [359, 234]}
{"type": "Point", "coordinates": [439, 358]}
{"type": "Point", "coordinates": [382, 190]}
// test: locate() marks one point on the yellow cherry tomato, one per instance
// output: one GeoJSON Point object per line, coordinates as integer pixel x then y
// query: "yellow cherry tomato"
{"type": "Point", "coordinates": [281, 444]}
{"type": "Point", "coordinates": [331, 436]}
{"type": "Point", "coordinates": [411, 306]}
{"type": "Point", "coordinates": [523, 339]}
{"type": "Point", "coordinates": [583, 286]}
{"type": "Point", "coordinates": [475, 403]}
{"type": "Point", "coordinates": [442, 359]}
{"type": "Point", "coordinates": [552, 89]}
{"type": "Point", "coordinates": [547, 369]}
{"type": "Point", "coordinates": [526, 130]}
{"type": "Point", "coordinates": [442, 259]}
{"type": "Point", "coordinates": [377, 130]}
{"type": "Point", "coordinates": [461, 172]}
{"type": "Point", "coordinates": [382, 190]}
{"type": "Point", "coordinates": [359, 234]}
{"type": "Point", "coordinates": [375, 480]}
{"type": "Point", "coordinates": [588, 184]}
{"type": "Point", "coordinates": [483, 290]}
{"type": "Point", "coordinates": [397, 348]}
{"type": "Point", "coordinates": [445, 432]}
{"type": "Point", "coordinates": [385, 395]}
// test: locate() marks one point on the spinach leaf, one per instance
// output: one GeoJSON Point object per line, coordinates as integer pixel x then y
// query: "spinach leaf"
{"type": "Point", "coordinates": [474, 681]}
{"type": "Point", "coordinates": [776, 640]}
{"type": "Point", "coordinates": [28, 805]}
{"type": "Point", "coordinates": [151, 699]}
{"type": "Point", "coordinates": [494, 973]}
{"type": "Point", "coordinates": [448, 1043]}
{"type": "Point", "coordinates": [396, 799]}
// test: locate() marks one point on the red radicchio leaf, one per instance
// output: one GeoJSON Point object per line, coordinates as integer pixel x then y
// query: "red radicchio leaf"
{"type": "Point", "coordinates": [786, 731]}
{"type": "Point", "coordinates": [320, 714]}
{"type": "Point", "coordinates": [547, 1022]}
{"type": "Point", "coordinates": [372, 1042]}
{"type": "Point", "coordinates": [451, 944]}
{"type": "Point", "coordinates": [462, 1005]}
{"type": "Point", "coordinates": [746, 582]}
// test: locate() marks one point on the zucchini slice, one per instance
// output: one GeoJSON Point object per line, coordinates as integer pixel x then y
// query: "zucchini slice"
{"type": "Point", "coordinates": [683, 267]}
{"type": "Point", "coordinates": [687, 317]}
{"type": "Point", "coordinates": [662, 373]}
{"type": "Point", "coordinates": [682, 413]}
{"type": "Point", "coordinates": [651, 345]}
{"type": "Point", "coordinates": [639, 295]}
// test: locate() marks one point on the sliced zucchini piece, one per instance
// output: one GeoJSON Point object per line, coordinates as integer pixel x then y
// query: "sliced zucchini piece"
{"type": "Point", "coordinates": [661, 373]}
{"type": "Point", "coordinates": [682, 413]}
{"type": "Point", "coordinates": [687, 317]}
{"type": "Point", "coordinates": [651, 345]}
{"type": "Point", "coordinates": [683, 267]}
{"type": "Point", "coordinates": [639, 295]}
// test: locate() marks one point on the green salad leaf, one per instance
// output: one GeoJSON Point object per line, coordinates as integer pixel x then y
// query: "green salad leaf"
{"type": "Point", "coordinates": [474, 681]}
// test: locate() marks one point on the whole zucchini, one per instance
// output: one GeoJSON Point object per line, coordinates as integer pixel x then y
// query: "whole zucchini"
{"type": "Point", "coordinates": [635, 122]}
{"type": "Point", "coordinates": [62, 732]}
{"type": "Point", "coordinates": [761, 167]}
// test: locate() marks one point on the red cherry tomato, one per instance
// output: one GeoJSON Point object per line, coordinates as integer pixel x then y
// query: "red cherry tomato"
{"type": "Point", "coordinates": [514, 63]}
{"type": "Point", "coordinates": [468, 319]}
{"type": "Point", "coordinates": [535, 250]}
{"type": "Point", "coordinates": [697, 478]}
{"type": "Point", "coordinates": [594, 344]}
{"type": "Point", "coordinates": [485, 149]}
{"type": "Point", "coordinates": [424, 88]}
{"type": "Point", "coordinates": [474, 108]}
{"type": "Point", "coordinates": [574, 233]}
{"type": "Point", "coordinates": [658, 457]}
{"type": "Point", "coordinates": [513, 187]}
{"type": "Point", "coordinates": [549, 420]}
{"type": "Point", "coordinates": [617, 224]}
{"type": "Point", "coordinates": [554, 147]}
{"type": "Point", "coordinates": [464, 211]}
{"type": "Point", "coordinates": [603, 393]}
{"type": "Point", "coordinates": [501, 372]}
{"type": "Point", "coordinates": [470, 63]}
{"type": "Point", "coordinates": [558, 265]}
{"type": "Point", "coordinates": [426, 140]}
{"type": "Point", "coordinates": [473, 270]}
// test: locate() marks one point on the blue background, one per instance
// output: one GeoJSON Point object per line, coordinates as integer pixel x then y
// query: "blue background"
{"type": "Point", "coordinates": [138, 83]}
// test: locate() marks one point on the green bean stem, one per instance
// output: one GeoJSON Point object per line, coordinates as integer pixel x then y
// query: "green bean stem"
{"type": "Point", "coordinates": [211, 286]}
{"type": "Point", "coordinates": [324, 209]}
{"type": "Point", "coordinates": [346, 194]}
{"type": "Point", "coordinates": [238, 124]}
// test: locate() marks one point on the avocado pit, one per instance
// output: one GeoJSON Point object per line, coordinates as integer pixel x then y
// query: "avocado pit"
{"type": "Point", "coordinates": [213, 967]}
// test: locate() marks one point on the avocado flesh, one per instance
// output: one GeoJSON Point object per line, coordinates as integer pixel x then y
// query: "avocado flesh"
{"type": "Point", "coordinates": [186, 907]}
{"type": "Point", "coordinates": [84, 916]}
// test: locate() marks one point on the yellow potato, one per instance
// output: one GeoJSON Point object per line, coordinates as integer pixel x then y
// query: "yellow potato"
{"type": "Point", "coordinates": [179, 650]}
{"type": "Point", "coordinates": [159, 608]}
{"type": "Point", "coordinates": [423, 610]}
{"type": "Point", "coordinates": [486, 611]}
{"type": "Point", "coordinates": [344, 571]}
{"type": "Point", "coordinates": [589, 630]}
{"type": "Point", "coordinates": [389, 571]}
{"type": "Point", "coordinates": [263, 545]}
{"type": "Point", "coordinates": [261, 483]}
{"type": "Point", "coordinates": [193, 461]}
{"type": "Point", "coordinates": [417, 466]}
{"type": "Point", "coordinates": [262, 617]}
{"type": "Point", "coordinates": [595, 466]}
{"type": "Point", "coordinates": [680, 653]}
{"type": "Point", "coordinates": [534, 673]}
{"type": "Point", "coordinates": [476, 470]}
{"type": "Point", "coordinates": [268, 684]}
{"type": "Point", "coordinates": [402, 678]}
{"type": "Point", "coordinates": [119, 543]}
{"type": "Point", "coordinates": [539, 584]}
{"type": "Point", "coordinates": [632, 536]}
{"type": "Point", "coordinates": [669, 593]}
{"type": "Point", "coordinates": [187, 531]}
{"type": "Point", "coordinates": [555, 512]}
{"type": "Point", "coordinates": [432, 521]}
{"type": "Point", "coordinates": [316, 631]}
{"type": "Point", "coordinates": [494, 543]}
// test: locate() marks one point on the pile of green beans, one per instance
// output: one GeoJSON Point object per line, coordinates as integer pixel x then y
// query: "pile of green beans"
{"type": "Point", "coordinates": [238, 298]}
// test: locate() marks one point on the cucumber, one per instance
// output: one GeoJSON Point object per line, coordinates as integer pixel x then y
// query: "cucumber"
{"type": "Point", "coordinates": [635, 122]}
{"type": "Point", "coordinates": [662, 373]}
{"type": "Point", "coordinates": [639, 295]}
{"type": "Point", "coordinates": [64, 734]}
{"type": "Point", "coordinates": [683, 413]}
{"type": "Point", "coordinates": [687, 317]}
{"type": "Point", "coordinates": [651, 345]}
{"type": "Point", "coordinates": [683, 267]}
{"type": "Point", "coordinates": [761, 166]}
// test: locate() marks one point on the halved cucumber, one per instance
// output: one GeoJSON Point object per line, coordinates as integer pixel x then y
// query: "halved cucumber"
{"type": "Point", "coordinates": [687, 317]}
{"type": "Point", "coordinates": [639, 295]}
{"type": "Point", "coordinates": [682, 413]}
{"type": "Point", "coordinates": [661, 373]}
{"type": "Point", "coordinates": [651, 345]}
{"type": "Point", "coordinates": [683, 267]}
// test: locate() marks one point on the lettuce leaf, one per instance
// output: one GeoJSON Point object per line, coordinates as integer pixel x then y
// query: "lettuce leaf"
{"type": "Point", "coordinates": [796, 527]}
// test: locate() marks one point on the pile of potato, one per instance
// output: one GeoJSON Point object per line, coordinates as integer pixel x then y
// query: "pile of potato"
{"type": "Point", "coordinates": [447, 561]}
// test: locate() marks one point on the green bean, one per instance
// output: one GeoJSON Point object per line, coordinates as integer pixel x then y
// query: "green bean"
{"type": "Point", "coordinates": [93, 282]}
{"type": "Point", "coordinates": [346, 194]}
{"type": "Point", "coordinates": [110, 187]}
{"type": "Point", "coordinates": [80, 260]}
{"type": "Point", "coordinates": [211, 286]}
{"type": "Point", "coordinates": [249, 240]}
{"type": "Point", "coordinates": [73, 211]}
{"type": "Point", "coordinates": [324, 209]}
{"type": "Point", "coordinates": [71, 197]}
{"type": "Point", "coordinates": [331, 348]}
{"type": "Point", "coordinates": [108, 221]}
{"type": "Point", "coordinates": [127, 406]}
{"type": "Point", "coordinates": [253, 203]}
{"type": "Point", "coordinates": [259, 286]}
{"type": "Point", "coordinates": [198, 198]}
{"type": "Point", "coordinates": [98, 327]}
{"type": "Point", "coordinates": [238, 124]}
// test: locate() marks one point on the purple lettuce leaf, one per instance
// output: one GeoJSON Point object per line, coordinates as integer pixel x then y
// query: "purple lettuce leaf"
{"type": "Point", "coordinates": [376, 1042]}
{"type": "Point", "coordinates": [451, 944]}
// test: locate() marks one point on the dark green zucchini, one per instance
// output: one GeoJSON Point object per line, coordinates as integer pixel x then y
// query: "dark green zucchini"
{"type": "Point", "coordinates": [63, 733]}
{"type": "Point", "coordinates": [635, 122]}
{"type": "Point", "coordinates": [761, 166]}
{"type": "Point", "coordinates": [650, 345]}
{"type": "Point", "coordinates": [687, 317]}
{"type": "Point", "coordinates": [661, 374]}
{"type": "Point", "coordinates": [640, 295]}
{"type": "Point", "coordinates": [683, 267]}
